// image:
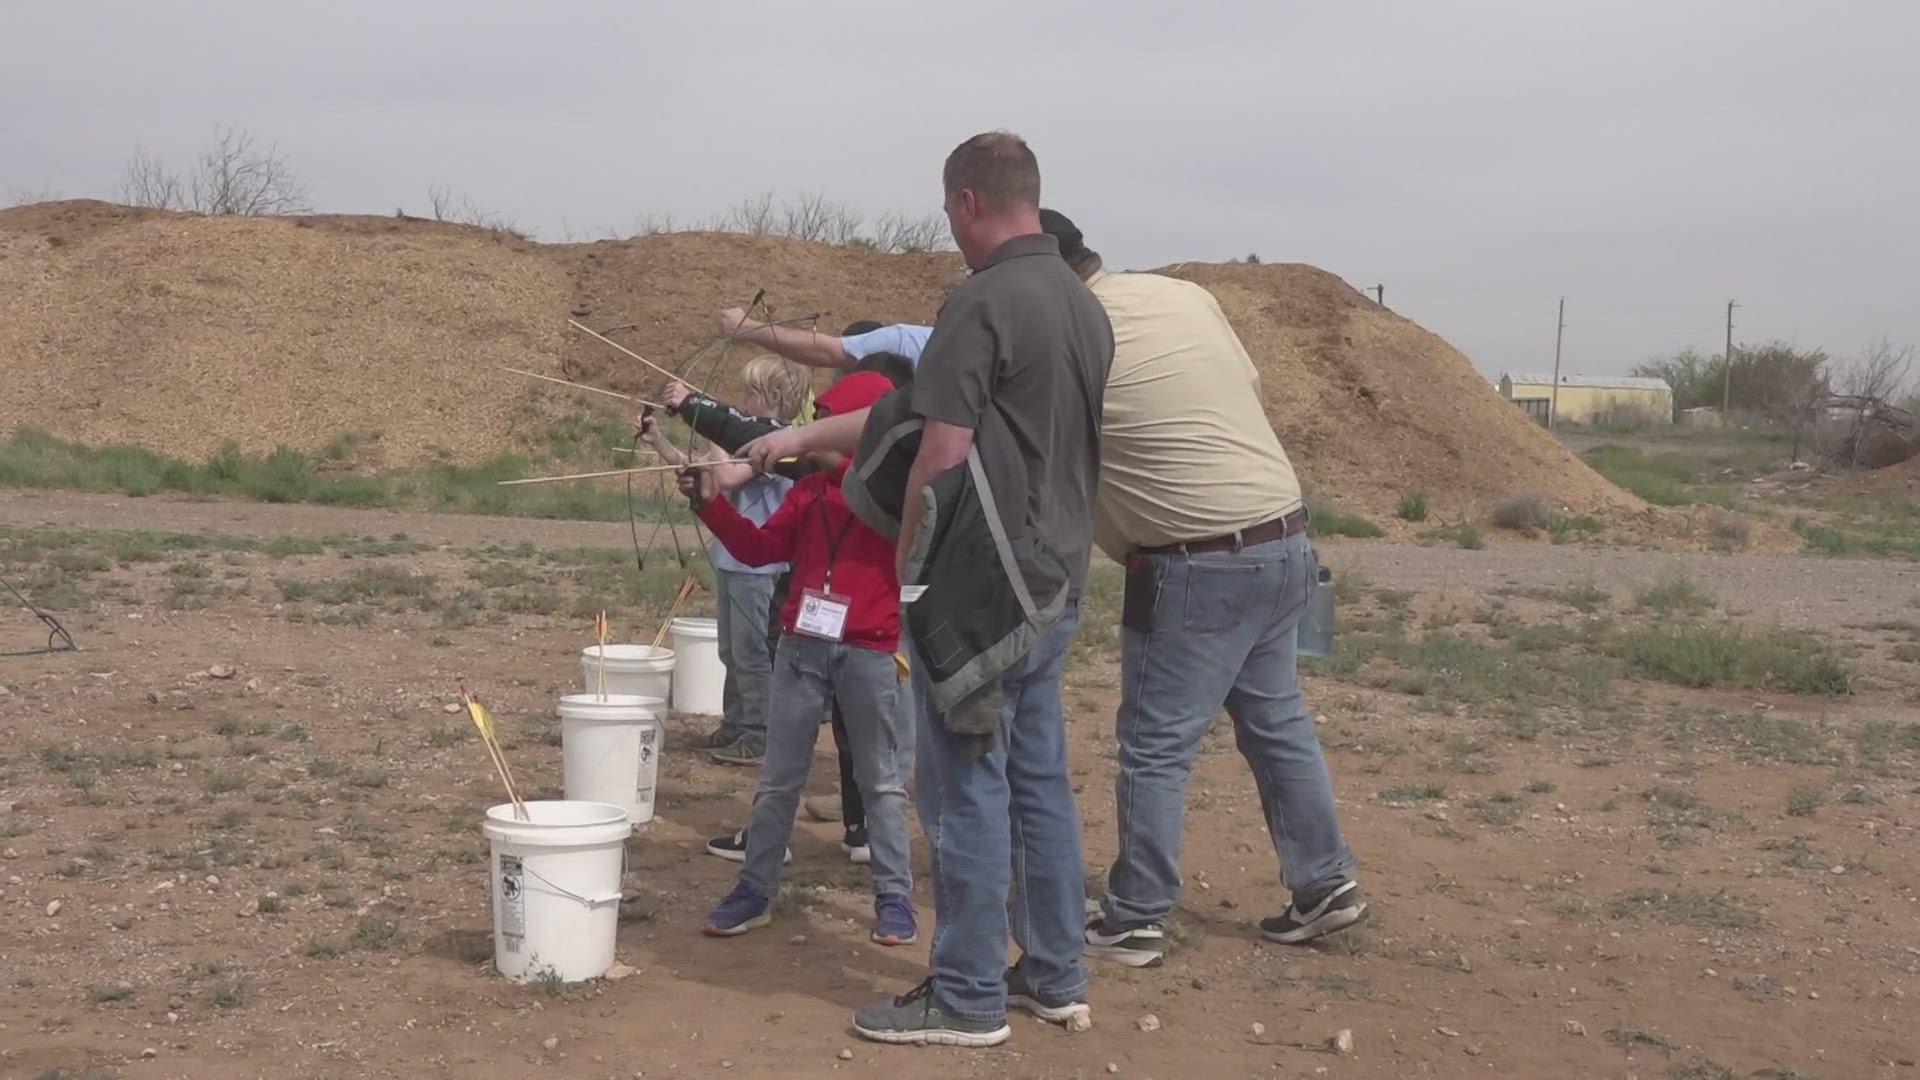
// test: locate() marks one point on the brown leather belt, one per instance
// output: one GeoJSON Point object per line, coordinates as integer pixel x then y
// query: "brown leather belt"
{"type": "Point", "coordinates": [1278, 529]}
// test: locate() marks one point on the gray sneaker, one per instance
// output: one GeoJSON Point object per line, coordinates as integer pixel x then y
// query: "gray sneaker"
{"type": "Point", "coordinates": [916, 1019]}
{"type": "Point", "coordinates": [1053, 1009]}
{"type": "Point", "coordinates": [742, 752]}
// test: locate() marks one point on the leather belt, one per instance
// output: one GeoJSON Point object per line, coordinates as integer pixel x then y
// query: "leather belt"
{"type": "Point", "coordinates": [1278, 529]}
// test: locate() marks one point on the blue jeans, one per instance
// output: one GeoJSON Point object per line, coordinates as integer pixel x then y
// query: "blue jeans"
{"type": "Point", "coordinates": [1223, 632]}
{"type": "Point", "coordinates": [1005, 822]}
{"type": "Point", "coordinates": [742, 613]}
{"type": "Point", "coordinates": [865, 683]}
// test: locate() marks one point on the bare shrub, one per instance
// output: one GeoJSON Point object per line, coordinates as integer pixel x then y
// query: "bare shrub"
{"type": "Point", "coordinates": [812, 217]}
{"type": "Point", "coordinates": [902, 234]}
{"type": "Point", "coordinates": [146, 182]}
{"type": "Point", "coordinates": [755, 215]}
{"type": "Point", "coordinates": [460, 209]}
{"type": "Point", "coordinates": [1732, 528]}
{"type": "Point", "coordinates": [235, 177]}
{"type": "Point", "coordinates": [1525, 513]}
{"type": "Point", "coordinates": [27, 197]}
{"type": "Point", "coordinates": [1874, 425]}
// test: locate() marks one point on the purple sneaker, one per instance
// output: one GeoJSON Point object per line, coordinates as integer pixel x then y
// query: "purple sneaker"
{"type": "Point", "coordinates": [741, 911]}
{"type": "Point", "coordinates": [893, 921]}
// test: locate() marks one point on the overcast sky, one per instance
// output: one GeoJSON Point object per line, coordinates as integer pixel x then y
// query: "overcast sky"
{"type": "Point", "coordinates": [1649, 159]}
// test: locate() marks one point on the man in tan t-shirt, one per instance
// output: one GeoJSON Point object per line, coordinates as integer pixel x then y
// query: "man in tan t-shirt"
{"type": "Point", "coordinates": [1198, 500]}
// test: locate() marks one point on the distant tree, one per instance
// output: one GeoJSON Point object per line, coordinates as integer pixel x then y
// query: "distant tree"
{"type": "Point", "coordinates": [1778, 381]}
{"type": "Point", "coordinates": [1694, 376]}
{"type": "Point", "coordinates": [900, 233]}
{"type": "Point", "coordinates": [1774, 381]}
{"type": "Point", "coordinates": [146, 182]}
{"type": "Point", "coordinates": [232, 177]}
{"type": "Point", "coordinates": [446, 205]}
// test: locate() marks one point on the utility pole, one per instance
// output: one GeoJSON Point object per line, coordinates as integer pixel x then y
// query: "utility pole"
{"type": "Point", "coordinates": [1726, 379]}
{"type": "Point", "coordinates": [1553, 408]}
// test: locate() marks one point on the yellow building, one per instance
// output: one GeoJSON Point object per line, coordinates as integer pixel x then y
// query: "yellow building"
{"type": "Point", "coordinates": [1591, 399]}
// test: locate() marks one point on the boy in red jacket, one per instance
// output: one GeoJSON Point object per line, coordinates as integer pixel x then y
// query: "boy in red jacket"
{"type": "Point", "coordinates": [842, 623]}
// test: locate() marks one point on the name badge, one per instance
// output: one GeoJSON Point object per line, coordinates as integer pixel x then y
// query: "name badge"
{"type": "Point", "coordinates": [822, 614]}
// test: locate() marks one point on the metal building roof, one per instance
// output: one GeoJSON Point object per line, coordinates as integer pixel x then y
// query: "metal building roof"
{"type": "Point", "coordinates": [1608, 382]}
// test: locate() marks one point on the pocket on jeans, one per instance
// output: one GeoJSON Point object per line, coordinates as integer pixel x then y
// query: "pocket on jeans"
{"type": "Point", "coordinates": [1219, 597]}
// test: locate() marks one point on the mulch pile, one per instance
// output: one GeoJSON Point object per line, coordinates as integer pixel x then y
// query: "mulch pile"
{"type": "Point", "coordinates": [183, 333]}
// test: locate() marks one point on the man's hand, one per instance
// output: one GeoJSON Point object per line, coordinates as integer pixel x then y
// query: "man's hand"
{"type": "Point", "coordinates": [698, 485]}
{"type": "Point", "coordinates": [775, 446]}
{"type": "Point", "coordinates": [675, 395]}
{"type": "Point", "coordinates": [732, 319]}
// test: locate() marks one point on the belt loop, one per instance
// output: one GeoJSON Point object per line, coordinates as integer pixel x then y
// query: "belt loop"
{"type": "Point", "coordinates": [1239, 540]}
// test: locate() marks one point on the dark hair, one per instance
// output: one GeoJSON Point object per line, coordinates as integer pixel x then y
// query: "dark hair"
{"type": "Point", "coordinates": [999, 168]}
{"type": "Point", "coordinates": [863, 326]}
{"type": "Point", "coordinates": [1073, 247]}
{"type": "Point", "coordinates": [898, 369]}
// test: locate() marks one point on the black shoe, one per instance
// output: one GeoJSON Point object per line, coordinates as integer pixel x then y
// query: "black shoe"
{"type": "Point", "coordinates": [734, 848]}
{"type": "Point", "coordinates": [1057, 1010]}
{"type": "Point", "coordinates": [1136, 946]}
{"type": "Point", "coordinates": [854, 843]}
{"type": "Point", "coordinates": [750, 752]}
{"type": "Point", "coordinates": [1303, 922]}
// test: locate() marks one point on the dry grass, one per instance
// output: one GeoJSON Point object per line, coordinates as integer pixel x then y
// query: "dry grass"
{"type": "Point", "coordinates": [1525, 513]}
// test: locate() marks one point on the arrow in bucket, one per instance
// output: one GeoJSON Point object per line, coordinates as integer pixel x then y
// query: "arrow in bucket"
{"type": "Point", "coordinates": [491, 740]}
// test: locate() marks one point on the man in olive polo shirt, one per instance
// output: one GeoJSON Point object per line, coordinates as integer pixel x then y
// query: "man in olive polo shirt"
{"type": "Point", "coordinates": [1199, 501]}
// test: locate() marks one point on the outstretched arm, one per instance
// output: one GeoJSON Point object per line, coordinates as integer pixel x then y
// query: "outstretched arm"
{"type": "Point", "coordinates": [755, 545]}
{"type": "Point", "coordinates": [838, 433]}
{"type": "Point", "coordinates": [800, 344]}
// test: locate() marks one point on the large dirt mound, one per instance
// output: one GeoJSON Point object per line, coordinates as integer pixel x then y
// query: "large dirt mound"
{"type": "Point", "coordinates": [183, 333]}
{"type": "Point", "coordinates": [1374, 406]}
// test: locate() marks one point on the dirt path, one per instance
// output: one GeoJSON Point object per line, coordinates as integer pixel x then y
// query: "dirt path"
{"type": "Point", "coordinates": [1792, 589]}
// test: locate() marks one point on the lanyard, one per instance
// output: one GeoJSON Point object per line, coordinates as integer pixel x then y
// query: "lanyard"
{"type": "Point", "coordinates": [833, 542]}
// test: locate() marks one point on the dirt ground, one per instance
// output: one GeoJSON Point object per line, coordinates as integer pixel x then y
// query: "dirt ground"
{"type": "Point", "coordinates": [280, 872]}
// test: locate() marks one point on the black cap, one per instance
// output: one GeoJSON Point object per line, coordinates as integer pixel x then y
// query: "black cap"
{"type": "Point", "coordinates": [1061, 228]}
{"type": "Point", "coordinates": [864, 326]}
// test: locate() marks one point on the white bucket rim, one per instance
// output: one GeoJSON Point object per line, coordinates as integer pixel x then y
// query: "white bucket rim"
{"type": "Point", "coordinates": [582, 814]}
{"type": "Point", "coordinates": [695, 626]}
{"type": "Point", "coordinates": [584, 823]}
{"type": "Point", "coordinates": [590, 706]}
{"type": "Point", "coordinates": [627, 654]}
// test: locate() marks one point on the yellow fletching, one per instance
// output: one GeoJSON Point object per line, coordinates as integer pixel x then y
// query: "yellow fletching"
{"type": "Point", "coordinates": [480, 718]}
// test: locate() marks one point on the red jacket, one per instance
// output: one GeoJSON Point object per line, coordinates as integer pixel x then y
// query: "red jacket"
{"type": "Point", "coordinates": [799, 532]}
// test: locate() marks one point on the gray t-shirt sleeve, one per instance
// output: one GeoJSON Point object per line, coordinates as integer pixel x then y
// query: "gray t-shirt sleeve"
{"type": "Point", "coordinates": [953, 382]}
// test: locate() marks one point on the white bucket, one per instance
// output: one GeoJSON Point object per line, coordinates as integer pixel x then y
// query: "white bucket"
{"type": "Point", "coordinates": [556, 888]}
{"type": "Point", "coordinates": [699, 681]}
{"type": "Point", "coordinates": [631, 669]}
{"type": "Point", "coordinates": [610, 750]}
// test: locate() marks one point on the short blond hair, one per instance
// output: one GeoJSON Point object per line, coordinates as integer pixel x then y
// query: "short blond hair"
{"type": "Point", "coordinates": [780, 384]}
